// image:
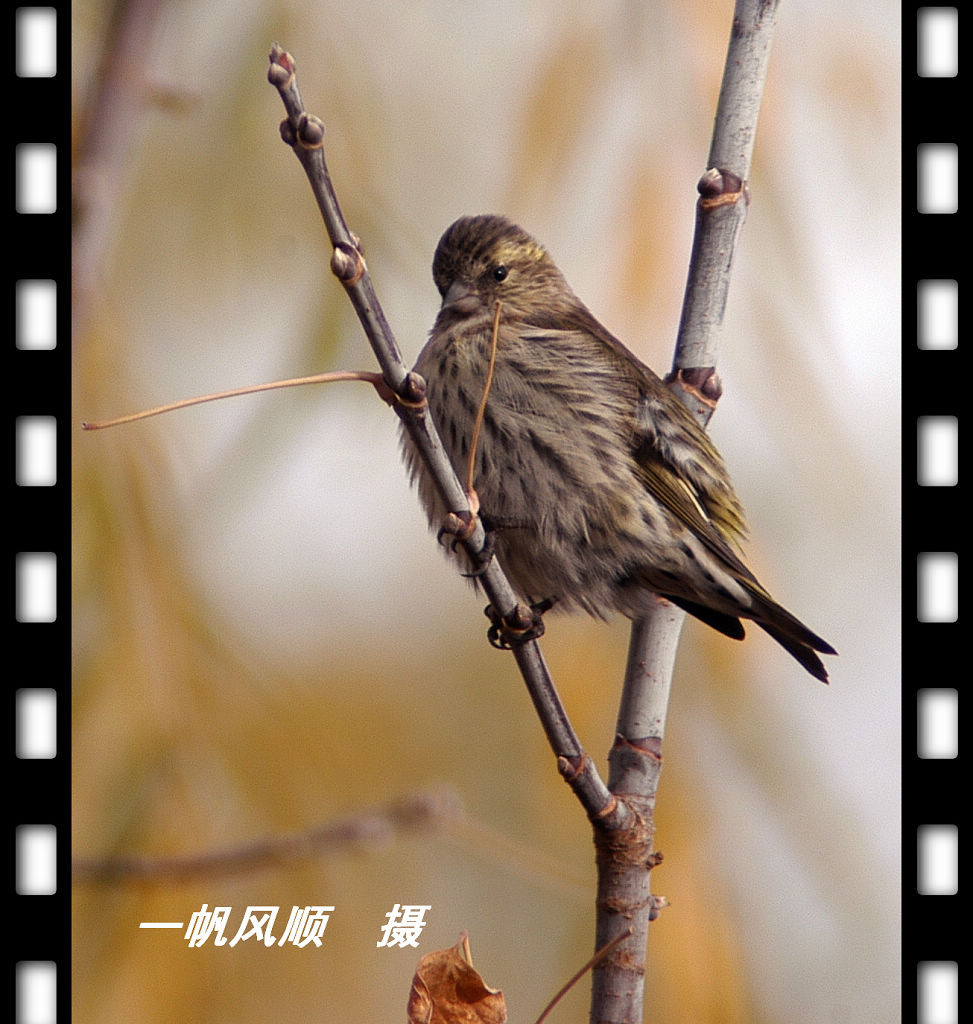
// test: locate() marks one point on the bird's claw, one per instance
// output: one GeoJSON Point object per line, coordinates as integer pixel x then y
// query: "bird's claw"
{"type": "Point", "coordinates": [484, 556]}
{"type": "Point", "coordinates": [458, 526]}
{"type": "Point", "coordinates": [521, 625]}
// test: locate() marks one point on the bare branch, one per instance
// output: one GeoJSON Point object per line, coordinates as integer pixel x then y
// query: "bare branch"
{"type": "Point", "coordinates": [305, 134]}
{"type": "Point", "coordinates": [110, 123]}
{"type": "Point", "coordinates": [724, 198]}
{"type": "Point", "coordinates": [621, 813]}
{"type": "Point", "coordinates": [624, 860]}
{"type": "Point", "coordinates": [426, 810]}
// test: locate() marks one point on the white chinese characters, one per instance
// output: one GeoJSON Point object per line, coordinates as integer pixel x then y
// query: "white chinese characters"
{"type": "Point", "coordinates": [404, 926]}
{"type": "Point", "coordinates": [305, 925]}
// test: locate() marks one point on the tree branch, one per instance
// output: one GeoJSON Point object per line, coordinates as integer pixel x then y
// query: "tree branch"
{"type": "Point", "coordinates": [305, 134]}
{"type": "Point", "coordinates": [422, 811]}
{"type": "Point", "coordinates": [621, 812]}
{"type": "Point", "coordinates": [624, 892]}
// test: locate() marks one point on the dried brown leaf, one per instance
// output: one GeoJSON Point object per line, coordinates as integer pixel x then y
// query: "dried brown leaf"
{"type": "Point", "coordinates": [446, 989]}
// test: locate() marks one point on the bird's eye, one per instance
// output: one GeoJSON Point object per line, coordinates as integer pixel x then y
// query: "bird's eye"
{"type": "Point", "coordinates": [500, 273]}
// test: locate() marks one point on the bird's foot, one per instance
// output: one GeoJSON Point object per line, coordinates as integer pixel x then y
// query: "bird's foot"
{"type": "Point", "coordinates": [521, 625]}
{"type": "Point", "coordinates": [459, 527]}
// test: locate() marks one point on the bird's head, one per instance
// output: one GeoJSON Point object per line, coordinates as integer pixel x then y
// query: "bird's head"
{"type": "Point", "coordinates": [485, 259]}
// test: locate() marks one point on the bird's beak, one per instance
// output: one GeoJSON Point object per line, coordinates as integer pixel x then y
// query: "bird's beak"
{"type": "Point", "coordinates": [461, 298]}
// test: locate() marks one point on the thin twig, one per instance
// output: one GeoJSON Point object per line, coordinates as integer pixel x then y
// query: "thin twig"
{"type": "Point", "coordinates": [111, 121]}
{"type": "Point", "coordinates": [305, 134]}
{"type": "Point", "coordinates": [578, 975]}
{"type": "Point", "coordinates": [375, 379]}
{"type": "Point", "coordinates": [427, 810]}
{"type": "Point", "coordinates": [481, 412]}
{"type": "Point", "coordinates": [724, 198]}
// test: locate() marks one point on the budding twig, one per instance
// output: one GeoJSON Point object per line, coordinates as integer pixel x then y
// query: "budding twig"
{"type": "Point", "coordinates": [636, 757]}
{"type": "Point", "coordinates": [304, 133]}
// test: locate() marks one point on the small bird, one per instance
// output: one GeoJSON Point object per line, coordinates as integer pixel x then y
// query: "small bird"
{"type": "Point", "coordinates": [599, 489]}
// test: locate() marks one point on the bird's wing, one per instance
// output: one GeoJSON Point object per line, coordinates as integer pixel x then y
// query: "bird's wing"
{"type": "Point", "coordinates": [715, 519]}
{"type": "Point", "coordinates": [675, 458]}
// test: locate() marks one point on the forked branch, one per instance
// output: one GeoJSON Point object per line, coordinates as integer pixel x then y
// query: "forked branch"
{"type": "Point", "coordinates": [622, 812]}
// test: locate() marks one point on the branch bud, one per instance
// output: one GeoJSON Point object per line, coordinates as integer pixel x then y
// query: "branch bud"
{"type": "Point", "coordinates": [310, 131]}
{"type": "Point", "coordinates": [281, 70]}
{"type": "Point", "coordinates": [347, 264]}
{"type": "Point", "coordinates": [719, 187]}
{"type": "Point", "coordinates": [412, 392]}
{"type": "Point", "coordinates": [287, 132]}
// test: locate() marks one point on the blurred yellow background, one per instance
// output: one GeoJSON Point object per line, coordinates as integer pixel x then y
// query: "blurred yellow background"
{"type": "Point", "coordinates": [266, 637]}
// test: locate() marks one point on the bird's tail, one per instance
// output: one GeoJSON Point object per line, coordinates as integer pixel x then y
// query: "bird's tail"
{"type": "Point", "coordinates": [791, 634]}
{"type": "Point", "coordinates": [771, 617]}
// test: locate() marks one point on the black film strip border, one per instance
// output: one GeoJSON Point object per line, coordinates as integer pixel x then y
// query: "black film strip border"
{"type": "Point", "coordinates": [933, 520]}
{"type": "Point", "coordinates": [39, 385]}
